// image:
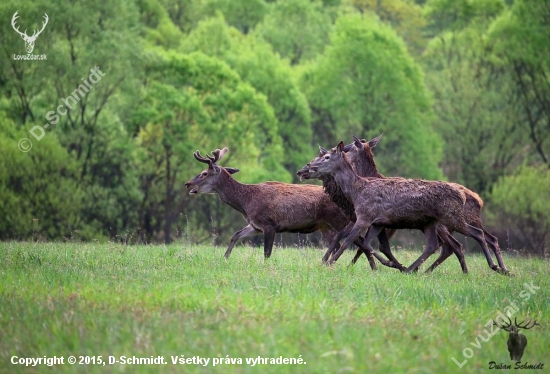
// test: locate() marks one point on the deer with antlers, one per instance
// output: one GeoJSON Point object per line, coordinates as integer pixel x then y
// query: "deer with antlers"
{"type": "Point", "coordinates": [29, 40]}
{"type": "Point", "coordinates": [272, 207]}
{"type": "Point", "coordinates": [516, 341]}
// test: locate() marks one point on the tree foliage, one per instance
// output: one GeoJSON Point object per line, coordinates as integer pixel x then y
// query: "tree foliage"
{"type": "Point", "coordinates": [522, 203]}
{"type": "Point", "coordinates": [366, 83]}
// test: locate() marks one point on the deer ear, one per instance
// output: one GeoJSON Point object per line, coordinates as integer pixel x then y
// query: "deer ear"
{"type": "Point", "coordinates": [373, 142]}
{"type": "Point", "coordinates": [357, 143]}
{"type": "Point", "coordinates": [231, 170]}
{"type": "Point", "coordinates": [322, 151]}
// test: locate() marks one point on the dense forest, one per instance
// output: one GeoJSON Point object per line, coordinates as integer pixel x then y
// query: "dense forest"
{"type": "Point", "coordinates": [97, 130]}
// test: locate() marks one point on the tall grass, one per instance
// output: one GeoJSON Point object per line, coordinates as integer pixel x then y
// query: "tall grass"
{"type": "Point", "coordinates": [62, 299]}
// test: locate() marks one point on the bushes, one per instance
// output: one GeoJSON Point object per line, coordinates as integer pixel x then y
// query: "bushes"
{"type": "Point", "coordinates": [521, 203]}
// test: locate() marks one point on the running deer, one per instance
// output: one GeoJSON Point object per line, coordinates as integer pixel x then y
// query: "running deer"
{"type": "Point", "coordinates": [396, 203]}
{"type": "Point", "coordinates": [516, 341]}
{"type": "Point", "coordinates": [361, 157]}
{"type": "Point", "coordinates": [271, 207]}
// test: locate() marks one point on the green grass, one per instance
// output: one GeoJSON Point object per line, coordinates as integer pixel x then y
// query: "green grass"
{"type": "Point", "coordinates": [113, 300]}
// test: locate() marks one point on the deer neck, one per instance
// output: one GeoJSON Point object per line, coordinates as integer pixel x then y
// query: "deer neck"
{"type": "Point", "coordinates": [232, 192]}
{"type": "Point", "coordinates": [346, 178]}
{"type": "Point", "coordinates": [367, 166]}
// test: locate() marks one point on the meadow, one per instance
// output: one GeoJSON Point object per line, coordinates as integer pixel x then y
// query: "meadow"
{"type": "Point", "coordinates": [86, 299]}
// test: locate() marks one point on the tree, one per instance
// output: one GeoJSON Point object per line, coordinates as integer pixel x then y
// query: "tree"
{"type": "Point", "coordinates": [84, 119]}
{"type": "Point", "coordinates": [256, 63]}
{"type": "Point", "coordinates": [193, 101]}
{"type": "Point", "coordinates": [480, 131]}
{"type": "Point", "coordinates": [40, 195]}
{"type": "Point", "coordinates": [519, 41]}
{"type": "Point", "coordinates": [521, 202]}
{"type": "Point", "coordinates": [297, 29]}
{"type": "Point", "coordinates": [366, 83]}
{"type": "Point", "coordinates": [405, 16]}
{"type": "Point", "coordinates": [243, 15]}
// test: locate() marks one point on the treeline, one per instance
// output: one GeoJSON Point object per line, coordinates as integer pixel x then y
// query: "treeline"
{"type": "Point", "coordinates": [459, 88]}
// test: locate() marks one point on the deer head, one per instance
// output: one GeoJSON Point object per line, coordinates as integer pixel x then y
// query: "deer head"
{"type": "Point", "coordinates": [205, 181]}
{"type": "Point", "coordinates": [29, 40]}
{"type": "Point", "coordinates": [327, 161]}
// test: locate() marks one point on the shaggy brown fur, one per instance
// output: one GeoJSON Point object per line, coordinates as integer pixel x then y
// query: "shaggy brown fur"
{"type": "Point", "coordinates": [397, 203]}
{"type": "Point", "coordinates": [361, 157]}
{"type": "Point", "coordinates": [337, 196]}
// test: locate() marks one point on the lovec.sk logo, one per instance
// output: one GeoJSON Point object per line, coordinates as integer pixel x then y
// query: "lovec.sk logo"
{"type": "Point", "coordinates": [29, 40]}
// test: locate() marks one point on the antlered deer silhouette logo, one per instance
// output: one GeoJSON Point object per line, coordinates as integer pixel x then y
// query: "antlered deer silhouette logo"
{"type": "Point", "coordinates": [29, 40]}
{"type": "Point", "coordinates": [517, 341]}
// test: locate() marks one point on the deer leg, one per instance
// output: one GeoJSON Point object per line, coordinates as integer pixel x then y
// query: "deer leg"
{"type": "Point", "coordinates": [449, 245]}
{"type": "Point", "coordinates": [336, 241]}
{"type": "Point", "coordinates": [358, 228]}
{"type": "Point", "coordinates": [385, 247]}
{"type": "Point", "coordinates": [360, 250]}
{"type": "Point", "coordinates": [269, 238]}
{"type": "Point", "coordinates": [492, 242]}
{"type": "Point", "coordinates": [383, 239]}
{"type": "Point", "coordinates": [477, 234]}
{"type": "Point", "coordinates": [242, 233]}
{"type": "Point", "coordinates": [431, 246]}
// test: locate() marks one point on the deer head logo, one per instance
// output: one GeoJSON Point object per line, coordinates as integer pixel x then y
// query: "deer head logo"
{"type": "Point", "coordinates": [517, 341]}
{"type": "Point", "coordinates": [29, 40]}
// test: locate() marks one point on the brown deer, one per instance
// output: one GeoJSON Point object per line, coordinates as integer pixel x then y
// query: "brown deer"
{"type": "Point", "coordinates": [516, 341]}
{"type": "Point", "coordinates": [396, 203]}
{"type": "Point", "coordinates": [272, 207]}
{"type": "Point", "coordinates": [361, 157]}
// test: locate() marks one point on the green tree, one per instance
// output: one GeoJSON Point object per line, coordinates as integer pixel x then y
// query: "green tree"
{"type": "Point", "coordinates": [84, 36]}
{"type": "Point", "coordinates": [193, 101]}
{"type": "Point", "coordinates": [256, 63]}
{"type": "Point", "coordinates": [297, 29]}
{"type": "Point", "coordinates": [366, 83]}
{"type": "Point", "coordinates": [482, 139]}
{"type": "Point", "coordinates": [519, 41]}
{"type": "Point", "coordinates": [405, 16]}
{"type": "Point", "coordinates": [521, 203]}
{"type": "Point", "coordinates": [243, 15]}
{"type": "Point", "coordinates": [39, 191]}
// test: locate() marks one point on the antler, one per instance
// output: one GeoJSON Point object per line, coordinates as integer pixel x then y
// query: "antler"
{"type": "Point", "coordinates": [35, 34]}
{"type": "Point", "coordinates": [218, 154]}
{"type": "Point", "coordinates": [526, 326]}
{"type": "Point", "coordinates": [504, 327]}
{"type": "Point", "coordinates": [199, 158]}
{"type": "Point", "coordinates": [15, 16]}
{"type": "Point", "coordinates": [211, 160]}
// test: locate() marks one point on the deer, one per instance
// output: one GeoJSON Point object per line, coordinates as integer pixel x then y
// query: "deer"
{"type": "Point", "coordinates": [29, 40]}
{"type": "Point", "coordinates": [396, 203]}
{"type": "Point", "coordinates": [362, 159]}
{"type": "Point", "coordinates": [272, 207]}
{"type": "Point", "coordinates": [516, 340]}
{"type": "Point", "coordinates": [337, 196]}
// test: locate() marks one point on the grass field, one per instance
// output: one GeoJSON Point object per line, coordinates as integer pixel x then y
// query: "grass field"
{"type": "Point", "coordinates": [63, 299]}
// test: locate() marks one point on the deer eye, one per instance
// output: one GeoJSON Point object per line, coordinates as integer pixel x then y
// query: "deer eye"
{"type": "Point", "coordinates": [326, 157]}
{"type": "Point", "coordinates": [203, 174]}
